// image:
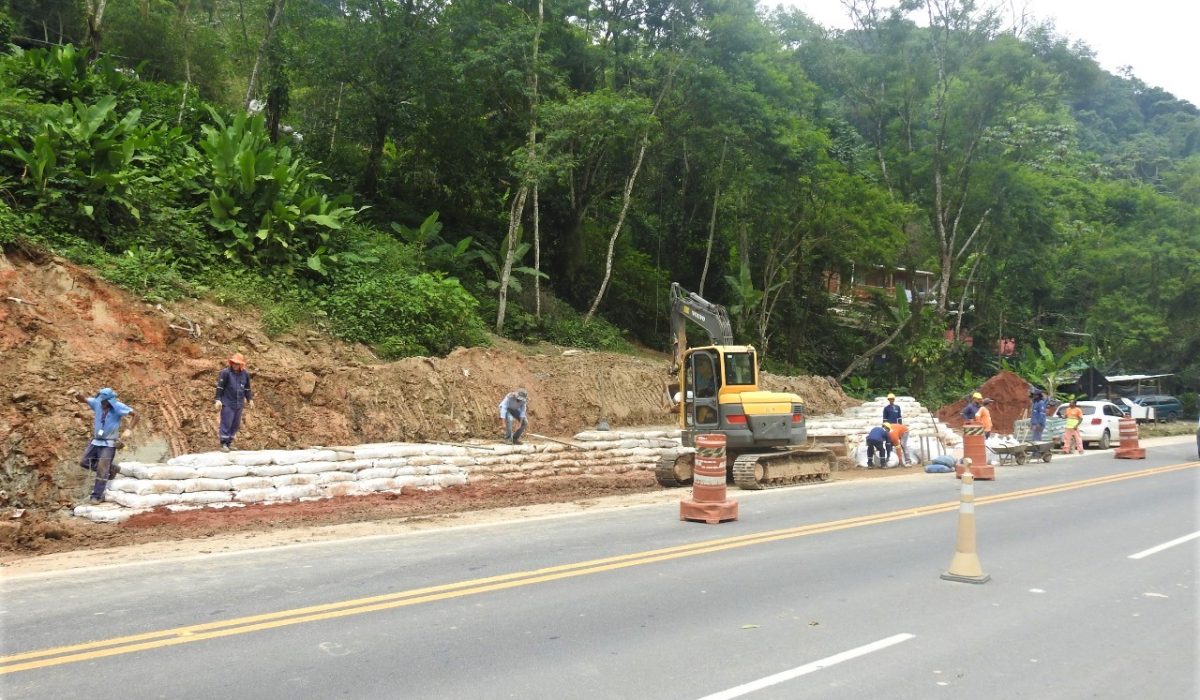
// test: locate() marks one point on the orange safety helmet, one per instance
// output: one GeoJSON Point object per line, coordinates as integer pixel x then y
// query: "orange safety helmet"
{"type": "Point", "coordinates": [237, 359]}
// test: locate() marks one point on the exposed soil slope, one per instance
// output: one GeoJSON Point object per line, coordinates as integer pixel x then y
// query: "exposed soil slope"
{"type": "Point", "coordinates": [62, 328]}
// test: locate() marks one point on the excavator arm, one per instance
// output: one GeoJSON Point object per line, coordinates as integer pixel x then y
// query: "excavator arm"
{"type": "Point", "coordinates": [689, 306]}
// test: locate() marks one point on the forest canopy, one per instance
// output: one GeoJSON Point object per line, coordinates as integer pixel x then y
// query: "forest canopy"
{"type": "Point", "coordinates": [414, 173]}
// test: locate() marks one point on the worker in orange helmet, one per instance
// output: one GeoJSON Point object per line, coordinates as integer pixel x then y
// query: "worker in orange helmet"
{"type": "Point", "coordinates": [233, 395]}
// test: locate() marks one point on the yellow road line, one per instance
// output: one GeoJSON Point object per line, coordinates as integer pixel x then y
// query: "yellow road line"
{"type": "Point", "coordinates": [212, 630]}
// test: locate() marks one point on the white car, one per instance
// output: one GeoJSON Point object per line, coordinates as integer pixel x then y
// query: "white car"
{"type": "Point", "coordinates": [1101, 422]}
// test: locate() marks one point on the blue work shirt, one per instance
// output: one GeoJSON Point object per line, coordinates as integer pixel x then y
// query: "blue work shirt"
{"type": "Point", "coordinates": [233, 388]}
{"type": "Point", "coordinates": [877, 434]}
{"type": "Point", "coordinates": [969, 411]}
{"type": "Point", "coordinates": [511, 402]}
{"type": "Point", "coordinates": [891, 414]}
{"type": "Point", "coordinates": [1037, 415]}
{"type": "Point", "coordinates": [106, 426]}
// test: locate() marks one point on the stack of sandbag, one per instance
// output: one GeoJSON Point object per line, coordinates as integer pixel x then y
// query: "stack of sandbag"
{"type": "Point", "coordinates": [233, 479]}
{"type": "Point", "coordinates": [855, 422]}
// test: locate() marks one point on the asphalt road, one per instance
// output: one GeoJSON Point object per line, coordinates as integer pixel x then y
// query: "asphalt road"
{"type": "Point", "coordinates": [826, 591]}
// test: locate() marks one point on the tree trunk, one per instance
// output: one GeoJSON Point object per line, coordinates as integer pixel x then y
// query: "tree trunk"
{"type": "Point", "coordinates": [537, 233]}
{"type": "Point", "coordinates": [383, 124]}
{"type": "Point", "coordinates": [276, 15]}
{"type": "Point", "coordinates": [612, 241]}
{"type": "Point", "coordinates": [515, 212]}
{"type": "Point", "coordinates": [95, 20]}
{"type": "Point", "coordinates": [712, 221]}
{"type": "Point", "coordinates": [337, 114]}
{"type": "Point", "coordinates": [875, 350]}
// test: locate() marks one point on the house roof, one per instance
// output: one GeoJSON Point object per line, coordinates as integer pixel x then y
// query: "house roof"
{"type": "Point", "coordinates": [1119, 378]}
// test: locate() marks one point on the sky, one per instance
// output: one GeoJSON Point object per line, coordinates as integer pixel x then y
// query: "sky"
{"type": "Point", "coordinates": [1157, 37]}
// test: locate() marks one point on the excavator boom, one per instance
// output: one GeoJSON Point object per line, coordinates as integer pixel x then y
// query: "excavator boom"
{"type": "Point", "coordinates": [689, 306]}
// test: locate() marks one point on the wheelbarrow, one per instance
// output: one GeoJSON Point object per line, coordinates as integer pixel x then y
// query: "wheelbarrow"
{"type": "Point", "coordinates": [1012, 454]}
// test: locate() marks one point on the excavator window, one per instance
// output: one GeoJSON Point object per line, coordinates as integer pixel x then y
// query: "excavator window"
{"type": "Point", "coordinates": [739, 368]}
{"type": "Point", "coordinates": [706, 376]}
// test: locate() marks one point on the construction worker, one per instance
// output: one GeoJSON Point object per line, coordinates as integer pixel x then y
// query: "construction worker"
{"type": "Point", "coordinates": [891, 412]}
{"type": "Point", "coordinates": [513, 409]}
{"type": "Point", "coordinates": [984, 417]}
{"type": "Point", "coordinates": [1071, 436]}
{"type": "Point", "coordinates": [972, 408]}
{"type": "Point", "coordinates": [106, 431]}
{"type": "Point", "coordinates": [877, 441]}
{"type": "Point", "coordinates": [233, 395]}
{"type": "Point", "coordinates": [898, 439]}
{"type": "Point", "coordinates": [1037, 415]}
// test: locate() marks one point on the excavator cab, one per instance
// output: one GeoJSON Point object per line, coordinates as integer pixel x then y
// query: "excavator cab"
{"type": "Point", "coordinates": [721, 395]}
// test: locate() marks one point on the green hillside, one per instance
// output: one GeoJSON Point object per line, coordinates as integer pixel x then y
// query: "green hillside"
{"type": "Point", "coordinates": [417, 174]}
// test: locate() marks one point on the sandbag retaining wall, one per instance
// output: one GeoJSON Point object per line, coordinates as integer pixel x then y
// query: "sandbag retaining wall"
{"type": "Point", "coordinates": [233, 479]}
{"type": "Point", "coordinates": [854, 423]}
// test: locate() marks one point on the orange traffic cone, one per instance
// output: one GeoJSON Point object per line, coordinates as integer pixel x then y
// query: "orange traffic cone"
{"type": "Point", "coordinates": [965, 567]}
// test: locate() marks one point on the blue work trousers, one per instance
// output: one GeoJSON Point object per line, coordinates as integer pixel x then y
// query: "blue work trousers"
{"type": "Point", "coordinates": [512, 418]}
{"type": "Point", "coordinates": [874, 446]}
{"type": "Point", "coordinates": [231, 420]}
{"type": "Point", "coordinates": [99, 459]}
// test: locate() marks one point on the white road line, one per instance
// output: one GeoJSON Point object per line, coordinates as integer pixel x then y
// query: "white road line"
{"type": "Point", "coordinates": [1165, 545]}
{"type": "Point", "coordinates": [808, 668]}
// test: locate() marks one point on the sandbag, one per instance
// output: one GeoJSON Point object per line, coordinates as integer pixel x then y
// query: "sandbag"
{"type": "Point", "coordinates": [206, 497]}
{"type": "Point", "coordinates": [254, 495]}
{"type": "Point", "coordinates": [945, 460]}
{"type": "Point", "coordinates": [250, 458]}
{"type": "Point", "coordinates": [295, 493]}
{"type": "Point", "coordinates": [935, 468]}
{"type": "Point", "coordinates": [319, 467]}
{"type": "Point", "coordinates": [167, 472]}
{"type": "Point", "coordinates": [294, 480]}
{"type": "Point", "coordinates": [272, 470]}
{"type": "Point", "coordinates": [222, 472]}
{"type": "Point", "coordinates": [150, 500]}
{"type": "Point", "coordinates": [251, 482]}
{"type": "Point", "coordinates": [104, 514]}
{"type": "Point", "coordinates": [194, 485]}
{"type": "Point", "coordinates": [142, 487]}
{"type": "Point", "coordinates": [204, 459]}
{"type": "Point", "coordinates": [333, 477]}
{"type": "Point", "coordinates": [375, 473]}
{"type": "Point", "coordinates": [380, 484]}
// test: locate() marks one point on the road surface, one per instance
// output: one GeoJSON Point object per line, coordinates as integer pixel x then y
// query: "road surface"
{"type": "Point", "coordinates": [824, 591]}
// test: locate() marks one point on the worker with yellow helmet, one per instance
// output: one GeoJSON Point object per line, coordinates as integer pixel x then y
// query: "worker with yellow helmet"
{"type": "Point", "coordinates": [972, 408]}
{"type": "Point", "coordinates": [891, 412]}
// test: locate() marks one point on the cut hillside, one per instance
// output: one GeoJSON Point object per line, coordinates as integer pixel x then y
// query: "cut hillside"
{"type": "Point", "coordinates": [61, 328]}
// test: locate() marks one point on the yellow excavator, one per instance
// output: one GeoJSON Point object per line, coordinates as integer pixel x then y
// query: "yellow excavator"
{"type": "Point", "coordinates": [715, 390]}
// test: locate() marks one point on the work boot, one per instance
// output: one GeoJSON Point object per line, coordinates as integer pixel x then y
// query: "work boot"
{"type": "Point", "coordinates": [224, 448]}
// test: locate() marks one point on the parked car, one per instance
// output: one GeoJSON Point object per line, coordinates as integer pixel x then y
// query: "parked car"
{"type": "Point", "coordinates": [1198, 440]}
{"type": "Point", "coordinates": [1101, 422]}
{"type": "Point", "coordinates": [1166, 408]}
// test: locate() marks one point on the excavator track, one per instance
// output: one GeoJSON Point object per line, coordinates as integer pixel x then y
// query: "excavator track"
{"type": "Point", "coordinates": [675, 469]}
{"type": "Point", "coordinates": [768, 470]}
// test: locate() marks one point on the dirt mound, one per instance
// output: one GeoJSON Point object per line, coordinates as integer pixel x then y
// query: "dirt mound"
{"type": "Point", "coordinates": [1010, 394]}
{"type": "Point", "coordinates": [68, 329]}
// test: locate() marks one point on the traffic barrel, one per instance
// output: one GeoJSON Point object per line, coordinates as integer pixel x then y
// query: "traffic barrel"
{"type": "Point", "coordinates": [975, 450]}
{"type": "Point", "coordinates": [708, 503]}
{"type": "Point", "coordinates": [965, 567]}
{"type": "Point", "coordinates": [1129, 441]}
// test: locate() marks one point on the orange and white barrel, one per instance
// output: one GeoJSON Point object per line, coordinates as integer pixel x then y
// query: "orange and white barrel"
{"type": "Point", "coordinates": [1129, 448]}
{"type": "Point", "coordinates": [975, 450]}
{"type": "Point", "coordinates": [709, 503]}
